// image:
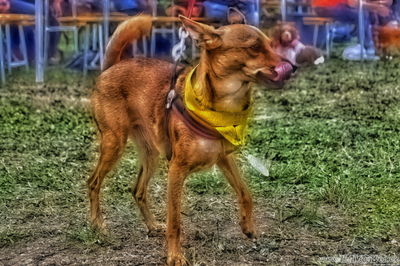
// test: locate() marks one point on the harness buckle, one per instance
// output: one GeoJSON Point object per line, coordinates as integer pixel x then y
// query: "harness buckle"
{"type": "Point", "coordinates": [170, 98]}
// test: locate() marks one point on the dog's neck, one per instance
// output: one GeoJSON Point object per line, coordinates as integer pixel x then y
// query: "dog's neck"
{"type": "Point", "coordinates": [291, 44]}
{"type": "Point", "coordinates": [223, 90]}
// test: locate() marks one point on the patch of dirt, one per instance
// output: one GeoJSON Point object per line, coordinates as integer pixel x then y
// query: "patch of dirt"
{"type": "Point", "coordinates": [212, 236]}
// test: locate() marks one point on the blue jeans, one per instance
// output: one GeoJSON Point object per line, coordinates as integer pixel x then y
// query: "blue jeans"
{"type": "Point", "coordinates": [131, 7]}
{"type": "Point", "coordinates": [21, 7]}
{"type": "Point", "coordinates": [396, 9]}
{"type": "Point", "coordinates": [344, 13]}
{"type": "Point", "coordinates": [219, 9]}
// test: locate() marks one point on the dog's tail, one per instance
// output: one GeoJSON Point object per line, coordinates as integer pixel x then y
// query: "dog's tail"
{"type": "Point", "coordinates": [128, 31]}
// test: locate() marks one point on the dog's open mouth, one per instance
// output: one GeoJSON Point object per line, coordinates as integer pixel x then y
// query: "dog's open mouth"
{"type": "Point", "coordinates": [280, 73]}
{"type": "Point", "coordinates": [283, 71]}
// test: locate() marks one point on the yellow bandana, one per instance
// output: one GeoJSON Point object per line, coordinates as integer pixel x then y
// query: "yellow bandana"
{"type": "Point", "coordinates": [231, 125]}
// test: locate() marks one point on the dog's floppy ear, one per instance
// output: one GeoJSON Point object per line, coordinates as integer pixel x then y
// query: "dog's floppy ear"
{"type": "Point", "coordinates": [206, 36]}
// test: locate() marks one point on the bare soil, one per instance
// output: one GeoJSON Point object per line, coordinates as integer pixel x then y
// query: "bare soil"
{"type": "Point", "coordinates": [212, 236]}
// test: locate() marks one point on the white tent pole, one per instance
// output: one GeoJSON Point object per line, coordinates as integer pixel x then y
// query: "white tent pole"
{"type": "Point", "coordinates": [106, 17]}
{"type": "Point", "coordinates": [39, 27]}
{"type": "Point", "coordinates": [361, 28]}
{"type": "Point", "coordinates": [283, 9]}
{"type": "Point", "coordinates": [258, 12]}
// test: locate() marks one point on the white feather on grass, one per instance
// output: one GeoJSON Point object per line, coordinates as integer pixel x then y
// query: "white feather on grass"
{"type": "Point", "coordinates": [258, 164]}
{"type": "Point", "coordinates": [319, 60]}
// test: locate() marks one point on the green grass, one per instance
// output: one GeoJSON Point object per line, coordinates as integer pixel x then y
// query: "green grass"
{"type": "Point", "coordinates": [335, 132]}
{"type": "Point", "coordinates": [331, 139]}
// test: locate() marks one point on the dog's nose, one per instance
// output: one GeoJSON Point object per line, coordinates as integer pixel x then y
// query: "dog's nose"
{"type": "Point", "coordinates": [286, 36]}
{"type": "Point", "coordinates": [283, 71]}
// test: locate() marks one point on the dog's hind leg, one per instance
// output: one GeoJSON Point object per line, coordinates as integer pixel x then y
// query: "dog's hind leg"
{"type": "Point", "coordinates": [228, 166]}
{"type": "Point", "coordinates": [148, 164]}
{"type": "Point", "coordinates": [111, 147]}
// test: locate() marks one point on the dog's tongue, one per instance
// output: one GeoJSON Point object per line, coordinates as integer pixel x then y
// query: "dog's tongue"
{"type": "Point", "coordinates": [283, 71]}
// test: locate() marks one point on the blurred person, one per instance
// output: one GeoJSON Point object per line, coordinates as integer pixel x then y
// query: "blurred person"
{"type": "Point", "coordinates": [379, 20]}
{"type": "Point", "coordinates": [219, 9]}
{"type": "Point", "coordinates": [346, 11]}
{"type": "Point", "coordinates": [4, 6]}
{"type": "Point", "coordinates": [20, 7]}
{"type": "Point", "coordinates": [133, 7]}
{"type": "Point", "coordinates": [55, 11]}
{"type": "Point", "coordinates": [180, 7]}
{"type": "Point", "coordinates": [85, 6]}
{"type": "Point", "coordinates": [130, 7]}
{"type": "Point", "coordinates": [28, 7]}
{"type": "Point", "coordinates": [396, 9]}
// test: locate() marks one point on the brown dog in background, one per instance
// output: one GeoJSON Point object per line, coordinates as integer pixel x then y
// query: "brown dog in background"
{"type": "Point", "coordinates": [286, 42]}
{"type": "Point", "coordinates": [130, 99]}
{"type": "Point", "coordinates": [387, 40]}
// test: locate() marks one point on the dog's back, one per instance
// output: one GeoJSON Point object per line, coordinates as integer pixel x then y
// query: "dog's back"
{"type": "Point", "coordinates": [130, 93]}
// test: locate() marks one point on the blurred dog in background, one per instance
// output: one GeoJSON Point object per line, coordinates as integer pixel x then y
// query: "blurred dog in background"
{"type": "Point", "coordinates": [387, 39]}
{"type": "Point", "coordinates": [286, 42]}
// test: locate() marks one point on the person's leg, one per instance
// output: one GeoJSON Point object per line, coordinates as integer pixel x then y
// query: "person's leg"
{"type": "Point", "coordinates": [396, 9]}
{"type": "Point", "coordinates": [368, 38]}
{"type": "Point", "coordinates": [22, 7]}
{"type": "Point", "coordinates": [248, 9]}
{"type": "Point", "coordinates": [30, 40]}
{"type": "Point", "coordinates": [54, 37]}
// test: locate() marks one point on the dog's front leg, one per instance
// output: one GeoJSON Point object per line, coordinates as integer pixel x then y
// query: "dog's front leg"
{"type": "Point", "coordinates": [228, 166]}
{"type": "Point", "coordinates": [176, 177]}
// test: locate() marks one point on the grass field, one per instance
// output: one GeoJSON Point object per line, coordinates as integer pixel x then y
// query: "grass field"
{"type": "Point", "coordinates": [331, 140]}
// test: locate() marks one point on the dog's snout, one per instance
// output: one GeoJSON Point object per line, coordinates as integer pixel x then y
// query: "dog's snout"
{"type": "Point", "coordinates": [283, 71]}
{"type": "Point", "coordinates": [286, 36]}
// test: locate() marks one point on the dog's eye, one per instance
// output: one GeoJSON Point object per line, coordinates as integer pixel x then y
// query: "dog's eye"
{"type": "Point", "coordinates": [256, 47]}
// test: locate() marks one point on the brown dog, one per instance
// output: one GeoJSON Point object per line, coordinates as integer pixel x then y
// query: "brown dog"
{"type": "Point", "coordinates": [130, 101]}
{"type": "Point", "coordinates": [387, 40]}
{"type": "Point", "coordinates": [286, 42]}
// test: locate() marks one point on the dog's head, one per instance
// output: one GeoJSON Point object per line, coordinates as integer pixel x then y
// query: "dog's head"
{"type": "Point", "coordinates": [284, 34]}
{"type": "Point", "coordinates": [239, 49]}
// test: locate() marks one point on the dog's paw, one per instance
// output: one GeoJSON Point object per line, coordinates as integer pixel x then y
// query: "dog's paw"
{"type": "Point", "coordinates": [99, 226]}
{"type": "Point", "coordinates": [251, 235]}
{"type": "Point", "coordinates": [157, 230]}
{"type": "Point", "coordinates": [249, 231]}
{"type": "Point", "coordinates": [103, 230]}
{"type": "Point", "coordinates": [176, 260]}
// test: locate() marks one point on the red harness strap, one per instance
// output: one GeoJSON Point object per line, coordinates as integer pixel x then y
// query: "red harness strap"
{"type": "Point", "coordinates": [194, 125]}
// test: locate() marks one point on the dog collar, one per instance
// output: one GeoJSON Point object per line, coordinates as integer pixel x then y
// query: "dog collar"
{"type": "Point", "coordinates": [231, 125]}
